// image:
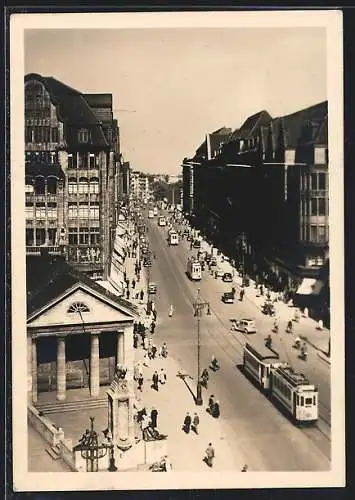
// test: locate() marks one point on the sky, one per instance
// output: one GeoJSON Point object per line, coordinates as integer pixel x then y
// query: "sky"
{"type": "Point", "coordinates": [172, 86]}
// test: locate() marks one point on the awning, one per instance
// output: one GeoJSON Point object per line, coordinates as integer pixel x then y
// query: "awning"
{"type": "Point", "coordinates": [306, 287]}
{"type": "Point", "coordinates": [117, 259]}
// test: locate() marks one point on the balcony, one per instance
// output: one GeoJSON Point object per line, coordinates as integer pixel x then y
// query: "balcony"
{"type": "Point", "coordinates": [52, 250]}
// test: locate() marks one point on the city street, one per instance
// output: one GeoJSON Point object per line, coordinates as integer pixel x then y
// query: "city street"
{"type": "Point", "coordinates": [251, 423]}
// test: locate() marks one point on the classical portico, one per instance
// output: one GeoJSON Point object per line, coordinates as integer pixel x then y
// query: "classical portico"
{"type": "Point", "coordinates": [76, 340]}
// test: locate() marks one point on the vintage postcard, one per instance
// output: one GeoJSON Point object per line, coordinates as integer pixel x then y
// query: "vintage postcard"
{"type": "Point", "coordinates": [177, 250]}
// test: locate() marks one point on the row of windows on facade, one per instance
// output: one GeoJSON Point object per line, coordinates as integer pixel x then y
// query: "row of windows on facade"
{"type": "Point", "coordinates": [45, 134]}
{"type": "Point", "coordinates": [83, 211]}
{"type": "Point", "coordinates": [83, 236]}
{"type": "Point", "coordinates": [77, 236]}
{"type": "Point", "coordinates": [83, 186]}
{"type": "Point", "coordinates": [314, 207]}
{"type": "Point", "coordinates": [83, 160]}
{"type": "Point", "coordinates": [315, 233]}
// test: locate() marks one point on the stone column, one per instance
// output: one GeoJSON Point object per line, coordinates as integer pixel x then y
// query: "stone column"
{"type": "Point", "coordinates": [120, 348]}
{"type": "Point", "coordinates": [61, 375]}
{"type": "Point", "coordinates": [34, 370]}
{"type": "Point", "coordinates": [94, 366]}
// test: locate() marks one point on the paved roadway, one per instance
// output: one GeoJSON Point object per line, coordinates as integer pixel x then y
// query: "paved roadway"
{"type": "Point", "coordinates": [267, 439]}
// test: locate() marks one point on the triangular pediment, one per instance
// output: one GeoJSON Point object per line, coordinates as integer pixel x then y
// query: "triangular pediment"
{"type": "Point", "coordinates": [78, 305]}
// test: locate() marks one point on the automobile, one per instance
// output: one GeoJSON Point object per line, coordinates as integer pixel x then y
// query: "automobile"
{"type": "Point", "coordinates": [213, 261]}
{"type": "Point", "coordinates": [218, 273]}
{"type": "Point", "coordinates": [147, 262]}
{"type": "Point", "coordinates": [152, 287]}
{"type": "Point", "coordinates": [197, 244]}
{"type": "Point", "coordinates": [227, 278]}
{"type": "Point", "coordinates": [228, 298]}
{"type": "Point", "coordinates": [245, 325]}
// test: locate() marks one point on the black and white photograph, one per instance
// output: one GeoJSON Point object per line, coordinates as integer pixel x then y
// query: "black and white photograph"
{"type": "Point", "coordinates": [177, 250]}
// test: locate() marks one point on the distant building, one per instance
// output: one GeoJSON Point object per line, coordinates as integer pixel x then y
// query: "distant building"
{"type": "Point", "coordinates": [139, 185]}
{"type": "Point", "coordinates": [71, 156]}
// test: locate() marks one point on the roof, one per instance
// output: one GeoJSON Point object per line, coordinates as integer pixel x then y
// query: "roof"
{"type": "Point", "coordinates": [49, 277]}
{"type": "Point", "coordinates": [307, 126]}
{"type": "Point", "coordinates": [72, 109]}
{"type": "Point", "coordinates": [251, 125]}
{"type": "Point", "coordinates": [45, 169]}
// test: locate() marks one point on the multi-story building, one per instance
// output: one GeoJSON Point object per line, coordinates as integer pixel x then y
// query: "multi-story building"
{"type": "Point", "coordinates": [139, 185]}
{"type": "Point", "coordinates": [71, 151]}
{"type": "Point", "coordinates": [265, 195]}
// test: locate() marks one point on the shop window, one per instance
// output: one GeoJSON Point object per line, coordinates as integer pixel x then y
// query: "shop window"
{"type": "Point", "coordinates": [83, 236]}
{"type": "Point", "coordinates": [73, 236]}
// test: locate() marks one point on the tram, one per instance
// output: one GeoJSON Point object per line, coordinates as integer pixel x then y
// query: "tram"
{"type": "Point", "coordinates": [276, 378]}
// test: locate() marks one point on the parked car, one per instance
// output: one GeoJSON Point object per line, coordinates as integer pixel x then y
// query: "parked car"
{"type": "Point", "coordinates": [227, 278]}
{"type": "Point", "coordinates": [228, 298]}
{"type": "Point", "coordinates": [152, 287]}
{"type": "Point", "coordinates": [218, 273]}
{"type": "Point", "coordinates": [245, 325]}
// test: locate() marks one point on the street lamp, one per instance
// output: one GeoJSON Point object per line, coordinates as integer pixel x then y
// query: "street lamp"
{"type": "Point", "coordinates": [199, 306]}
{"type": "Point", "coordinates": [92, 451]}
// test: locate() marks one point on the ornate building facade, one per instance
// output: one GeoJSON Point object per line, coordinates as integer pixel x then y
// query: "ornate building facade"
{"type": "Point", "coordinates": [71, 168]}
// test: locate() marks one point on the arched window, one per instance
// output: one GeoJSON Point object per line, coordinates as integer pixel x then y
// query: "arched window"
{"type": "Point", "coordinates": [94, 185]}
{"type": "Point", "coordinates": [52, 185]}
{"type": "Point", "coordinates": [39, 185]}
{"type": "Point", "coordinates": [78, 307]}
{"type": "Point", "coordinates": [83, 185]}
{"type": "Point", "coordinates": [72, 185]}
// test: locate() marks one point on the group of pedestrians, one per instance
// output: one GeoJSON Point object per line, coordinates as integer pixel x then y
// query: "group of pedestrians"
{"type": "Point", "coordinates": [191, 423]}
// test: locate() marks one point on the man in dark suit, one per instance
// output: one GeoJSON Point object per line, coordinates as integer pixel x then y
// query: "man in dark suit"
{"type": "Point", "coordinates": [155, 379]}
{"type": "Point", "coordinates": [154, 417]}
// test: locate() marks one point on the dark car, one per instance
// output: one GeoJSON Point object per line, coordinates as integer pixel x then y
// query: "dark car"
{"type": "Point", "coordinates": [197, 244]}
{"type": "Point", "coordinates": [227, 278]}
{"type": "Point", "coordinates": [228, 298]}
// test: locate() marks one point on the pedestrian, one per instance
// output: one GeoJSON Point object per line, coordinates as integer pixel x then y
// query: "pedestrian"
{"type": "Point", "coordinates": [155, 315]}
{"type": "Point", "coordinates": [154, 351]}
{"type": "Point", "coordinates": [162, 376]}
{"type": "Point", "coordinates": [171, 311]}
{"type": "Point", "coordinates": [142, 295]}
{"type": "Point", "coordinates": [187, 423]}
{"type": "Point", "coordinates": [210, 403]}
{"type": "Point", "coordinates": [154, 417]}
{"type": "Point", "coordinates": [146, 343]}
{"type": "Point", "coordinates": [140, 381]}
{"type": "Point", "coordinates": [195, 423]}
{"type": "Point", "coordinates": [155, 379]}
{"type": "Point", "coordinates": [127, 282]}
{"type": "Point", "coordinates": [152, 306]}
{"type": "Point", "coordinates": [133, 283]}
{"type": "Point", "coordinates": [164, 350]}
{"type": "Point", "coordinates": [241, 295]}
{"type": "Point", "coordinates": [135, 340]}
{"type": "Point", "coordinates": [125, 276]}
{"type": "Point", "coordinates": [210, 453]}
{"type": "Point", "coordinates": [152, 327]}
{"type": "Point", "coordinates": [261, 290]}
{"type": "Point", "coordinates": [136, 371]}
{"type": "Point", "coordinates": [215, 410]}
{"type": "Point", "coordinates": [320, 325]}
{"type": "Point", "coordinates": [137, 295]}
{"type": "Point", "coordinates": [127, 294]}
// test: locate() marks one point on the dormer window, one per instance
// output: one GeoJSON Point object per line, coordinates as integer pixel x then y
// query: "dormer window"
{"type": "Point", "coordinates": [83, 136]}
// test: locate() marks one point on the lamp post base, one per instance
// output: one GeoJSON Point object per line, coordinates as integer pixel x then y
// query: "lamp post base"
{"type": "Point", "coordinates": [199, 400]}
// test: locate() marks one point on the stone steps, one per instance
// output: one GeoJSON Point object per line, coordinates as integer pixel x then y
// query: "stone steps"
{"type": "Point", "coordinates": [54, 452]}
{"type": "Point", "coordinates": [66, 406]}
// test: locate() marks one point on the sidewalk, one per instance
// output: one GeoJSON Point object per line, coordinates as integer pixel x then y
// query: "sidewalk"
{"type": "Point", "coordinates": [185, 451]}
{"type": "Point", "coordinates": [316, 338]}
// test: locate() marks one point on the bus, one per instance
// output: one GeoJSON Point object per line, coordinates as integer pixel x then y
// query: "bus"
{"type": "Point", "coordinates": [194, 270]}
{"type": "Point", "coordinates": [162, 221]}
{"type": "Point", "coordinates": [173, 238]}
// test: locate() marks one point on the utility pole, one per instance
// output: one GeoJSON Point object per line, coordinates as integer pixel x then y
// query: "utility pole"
{"type": "Point", "coordinates": [199, 306]}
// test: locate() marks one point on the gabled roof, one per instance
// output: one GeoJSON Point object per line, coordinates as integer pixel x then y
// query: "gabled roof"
{"type": "Point", "coordinates": [72, 109]}
{"type": "Point", "coordinates": [251, 125]}
{"type": "Point", "coordinates": [44, 169]}
{"type": "Point", "coordinates": [307, 126]}
{"type": "Point", "coordinates": [50, 277]}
